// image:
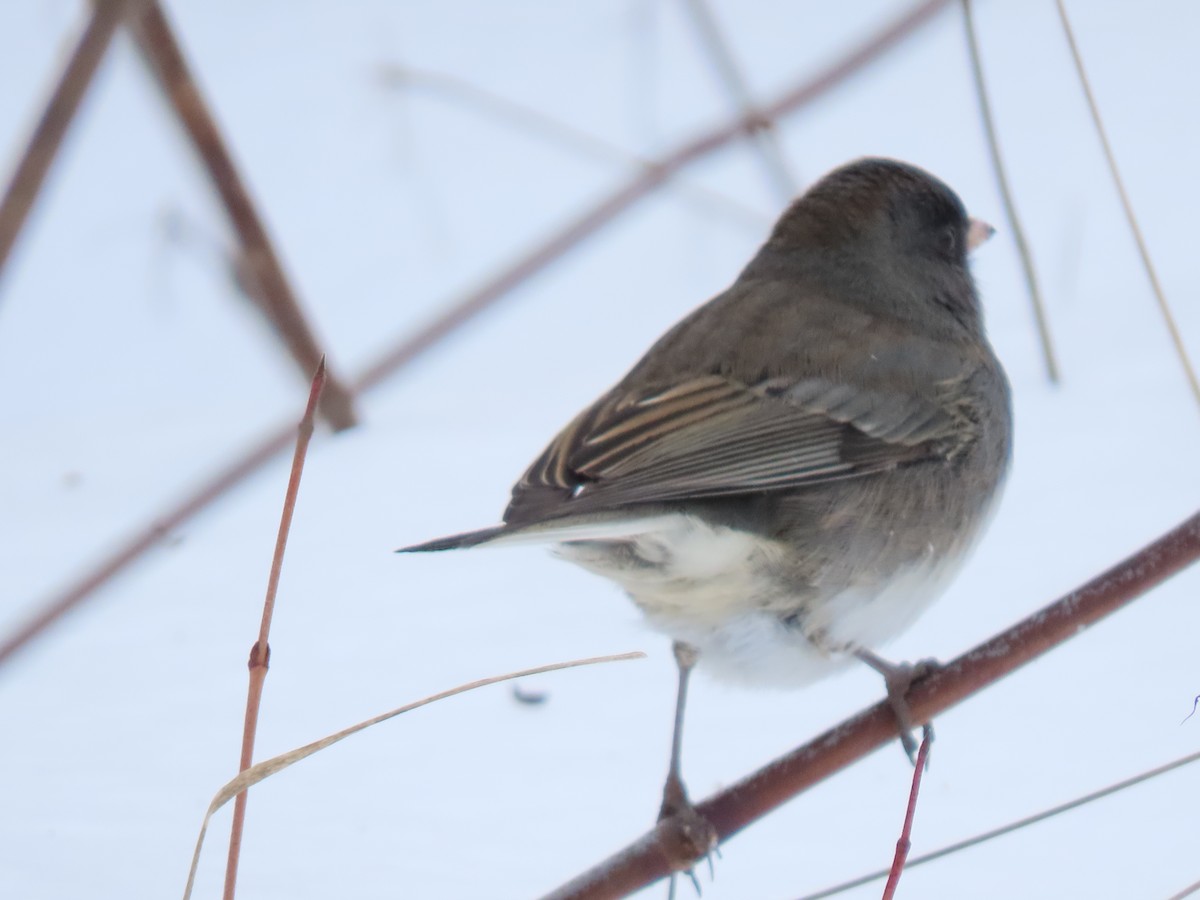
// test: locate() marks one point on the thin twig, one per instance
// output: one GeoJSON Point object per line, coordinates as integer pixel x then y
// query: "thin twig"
{"type": "Point", "coordinates": [1010, 209]}
{"type": "Point", "coordinates": [904, 843]}
{"type": "Point", "coordinates": [1155, 285]}
{"type": "Point", "coordinates": [643, 862]}
{"type": "Point", "coordinates": [1186, 892]}
{"type": "Point", "coordinates": [259, 772]}
{"type": "Point", "coordinates": [264, 282]}
{"type": "Point", "coordinates": [260, 653]}
{"type": "Point", "coordinates": [1025, 822]}
{"type": "Point", "coordinates": [56, 118]}
{"type": "Point", "coordinates": [766, 137]}
{"type": "Point", "coordinates": [534, 121]}
{"type": "Point", "coordinates": [464, 310]}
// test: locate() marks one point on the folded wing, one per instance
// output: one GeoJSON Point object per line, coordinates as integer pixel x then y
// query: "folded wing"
{"type": "Point", "coordinates": [713, 437]}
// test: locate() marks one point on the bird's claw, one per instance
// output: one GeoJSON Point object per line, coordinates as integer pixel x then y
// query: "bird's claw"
{"type": "Point", "coordinates": [899, 679]}
{"type": "Point", "coordinates": [685, 835]}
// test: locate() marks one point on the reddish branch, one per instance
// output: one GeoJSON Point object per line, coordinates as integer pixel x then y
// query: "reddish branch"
{"type": "Point", "coordinates": [263, 273]}
{"type": "Point", "coordinates": [260, 653]}
{"type": "Point", "coordinates": [409, 348]}
{"type": "Point", "coordinates": [904, 843]}
{"type": "Point", "coordinates": [52, 127]}
{"type": "Point", "coordinates": [643, 862]}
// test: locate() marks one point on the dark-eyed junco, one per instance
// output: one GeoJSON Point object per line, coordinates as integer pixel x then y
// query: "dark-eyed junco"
{"type": "Point", "coordinates": [793, 472]}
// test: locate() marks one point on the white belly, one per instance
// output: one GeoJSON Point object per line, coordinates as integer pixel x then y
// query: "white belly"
{"type": "Point", "coordinates": [720, 590]}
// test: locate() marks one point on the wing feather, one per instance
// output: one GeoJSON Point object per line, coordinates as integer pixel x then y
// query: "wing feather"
{"type": "Point", "coordinates": [713, 437]}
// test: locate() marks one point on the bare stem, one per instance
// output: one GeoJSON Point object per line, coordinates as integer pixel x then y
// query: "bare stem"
{"type": "Point", "coordinates": [1010, 208]}
{"type": "Point", "coordinates": [904, 843]}
{"type": "Point", "coordinates": [1155, 285]}
{"type": "Point", "coordinates": [260, 653]}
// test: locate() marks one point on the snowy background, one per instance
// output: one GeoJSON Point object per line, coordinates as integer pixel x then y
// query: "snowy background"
{"type": "Point", "coordinates": [132, 369]}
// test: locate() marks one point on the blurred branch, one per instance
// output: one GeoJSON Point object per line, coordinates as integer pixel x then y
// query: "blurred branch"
{"type": "Point", "coordinates": [643, 862]}
{"type": "Point", "coordinates": [52, 127]}
{"type": "Point", "coordinates": [1189, 891]}
{"type": "Point", "coordinates": [765, 136]}
{"type": "Point", "coordinates": [638, 188]}
{"type": "Point", "coordinates": [1010, 209]}
{"type": "Point", "coordinates": [1155, 285]}
{"type": "Point", "coordinates": [263, 278]}
{"type": "Point", "coordinates": [260, 652]}
{"type": "Point", "coordinates": [467, 308]}
{"type": "Point", "coordinates": [537, 122]}
{"type": "Point", "coordinates": [262, 272]}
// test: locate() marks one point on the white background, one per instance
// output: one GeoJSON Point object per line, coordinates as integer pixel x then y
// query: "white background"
{"type": "Point", "coordinates": [131, 369]}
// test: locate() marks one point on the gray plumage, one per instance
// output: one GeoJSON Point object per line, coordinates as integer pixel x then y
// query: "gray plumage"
{"type": "Point", "coordinates": [833, 424]}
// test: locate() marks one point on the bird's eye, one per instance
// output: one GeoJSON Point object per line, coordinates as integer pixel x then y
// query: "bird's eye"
{"type": "Point", "coordinates": [948, 241]}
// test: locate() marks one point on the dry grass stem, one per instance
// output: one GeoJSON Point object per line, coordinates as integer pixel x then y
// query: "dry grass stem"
{"type": "Point", "coordinates": [265, 769]}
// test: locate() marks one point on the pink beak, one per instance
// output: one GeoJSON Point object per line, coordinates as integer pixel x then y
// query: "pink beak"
{"type": "Point", "coordinates": [978, 231]}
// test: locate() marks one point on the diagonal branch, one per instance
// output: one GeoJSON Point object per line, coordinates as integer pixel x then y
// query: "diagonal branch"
{"type": "Point", "coordinates": [643, 862]}
{"type": "Point", "coordinates": [52, 127]}
{"type": "Point", "coordinates": [1164, 307]}
{"type": "Point", "coordinates": [534, 121]}
{"type": "Point", "coordinates": [266, 283]}
{"type": "Point", "coordinates": [765, 137]}
{"type": "Point", "coordinates": [467, 308]}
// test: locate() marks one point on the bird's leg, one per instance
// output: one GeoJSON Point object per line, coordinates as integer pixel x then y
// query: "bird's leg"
{"type": "Point", "coordinates": [687, 835]}
{"type": "Point", "coordinates": [674, 794]}
{"type": "Point", "coordinates": [899, 677]}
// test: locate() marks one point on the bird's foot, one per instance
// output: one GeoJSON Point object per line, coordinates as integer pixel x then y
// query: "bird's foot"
{"type": "Point", "coordinates": [684, 835]}
{"type": "Point", "coordinates": [899, 679]}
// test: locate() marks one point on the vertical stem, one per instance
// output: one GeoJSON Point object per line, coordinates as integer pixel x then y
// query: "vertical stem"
{"type": "Point", "coordinates": [904, 844]}
{"type": "Point", "coordinates": [260, 653]}
{"type": "Point", "coordinates": [1010, 209]}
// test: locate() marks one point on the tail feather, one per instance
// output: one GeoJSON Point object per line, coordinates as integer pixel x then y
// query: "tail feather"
{"type": "Point", "coordinates": [550, 532]}
{"type": "Point", "coordinates": [457, 541]}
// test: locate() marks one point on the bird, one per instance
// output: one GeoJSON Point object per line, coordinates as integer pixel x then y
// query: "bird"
{"type": "Point", "coordinates": [795, 471]}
